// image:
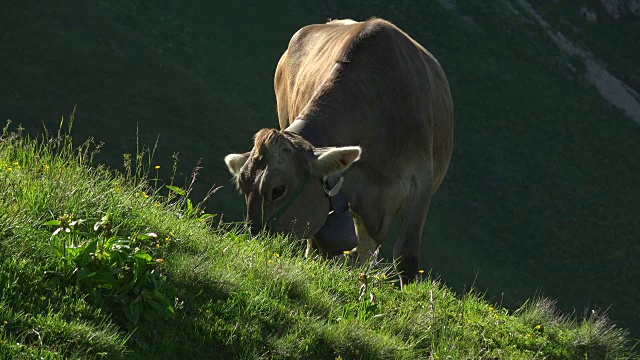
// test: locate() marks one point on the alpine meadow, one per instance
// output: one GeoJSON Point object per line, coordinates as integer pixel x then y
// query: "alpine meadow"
{"type": "Point", "coordinates": [121, 233]}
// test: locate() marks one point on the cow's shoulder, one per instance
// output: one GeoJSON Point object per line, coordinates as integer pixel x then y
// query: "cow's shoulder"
{"type": "Point", "coordinates": [343, 36]}
{"type": "Point", "coordinates": [317, 36]}
{"type": "Point", "coordinates": [377, 34]}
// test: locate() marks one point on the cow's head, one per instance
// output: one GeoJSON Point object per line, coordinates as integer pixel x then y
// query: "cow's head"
{"type": "Point", "coordinates": [282, 181]}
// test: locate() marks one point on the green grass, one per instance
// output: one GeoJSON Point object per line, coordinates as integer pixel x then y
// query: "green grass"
{"type": "Point", "coordinates": [606, 38]}
{"type": "Point", "coordinates": [541, 195]}
{"type": "Point", "coordinates": [234, 296]}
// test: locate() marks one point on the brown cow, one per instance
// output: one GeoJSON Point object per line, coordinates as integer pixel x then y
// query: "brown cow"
{"type": "Point", "coordinates": [368, 102]}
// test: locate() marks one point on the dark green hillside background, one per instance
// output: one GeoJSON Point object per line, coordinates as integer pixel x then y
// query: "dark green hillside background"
{"type": "Point", "coordinates": [542, 193]}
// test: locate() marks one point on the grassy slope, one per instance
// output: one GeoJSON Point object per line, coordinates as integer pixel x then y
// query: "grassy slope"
{"type": "Point", "coordinates": [607, 38]}
{"type": "Point", "coordinates": [530, 191]}
{"type": "Point", "coordinates": [236, 296]}
{"type": "Point", "coordinates": [540, 194]}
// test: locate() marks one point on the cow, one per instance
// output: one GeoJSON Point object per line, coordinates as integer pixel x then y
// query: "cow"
{"type": "Point", "coordinates": [367, 102]}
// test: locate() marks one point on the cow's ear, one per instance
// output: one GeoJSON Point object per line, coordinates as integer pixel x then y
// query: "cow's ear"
{"type": "Point", "coordinates": [235, 162]}
{"type": "Point", "coordinates": [335, 159]}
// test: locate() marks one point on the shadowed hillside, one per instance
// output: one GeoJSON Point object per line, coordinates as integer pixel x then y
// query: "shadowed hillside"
{"type": "Point", "coordinates": [542, 192]}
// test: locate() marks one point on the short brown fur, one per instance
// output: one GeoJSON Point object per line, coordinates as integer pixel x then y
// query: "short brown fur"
{"type": "Point", "coordinates": [266, 139]}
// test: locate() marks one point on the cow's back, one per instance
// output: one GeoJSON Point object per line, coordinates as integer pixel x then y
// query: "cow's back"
{"type": "Point", "coordinates": [368, 83]}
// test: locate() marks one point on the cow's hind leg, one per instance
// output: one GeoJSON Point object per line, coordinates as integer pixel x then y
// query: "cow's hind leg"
{"type": "Point", "coordinates": [406, 251]}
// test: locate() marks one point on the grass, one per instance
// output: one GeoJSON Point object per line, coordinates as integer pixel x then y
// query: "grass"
{"type": "Point", "coordinates": [541, 195]}
{"type": "Point", "coordinates": [606, 37]}
{"type": "Point", "coordinates": [234, 295]}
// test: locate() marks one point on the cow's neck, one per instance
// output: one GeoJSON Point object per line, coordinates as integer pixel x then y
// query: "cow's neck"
{"type": "Point", "coordinates": [327, 117]}
{"type": "Point", "coordinates": [309, 131]}
{"type": "Point", "coordinates": [338, 232]}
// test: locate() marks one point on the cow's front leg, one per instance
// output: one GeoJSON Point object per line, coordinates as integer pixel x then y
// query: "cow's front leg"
{"type": "Point", "coordinates": [373, 210]}
{"type": "Point", "coordinates": [367, 246]}
{"type": "Point", "coordinates": [312, 248]}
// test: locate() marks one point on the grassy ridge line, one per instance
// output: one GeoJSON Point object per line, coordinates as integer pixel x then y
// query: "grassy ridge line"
{"type": "Point", "coordinates": [236, 296]}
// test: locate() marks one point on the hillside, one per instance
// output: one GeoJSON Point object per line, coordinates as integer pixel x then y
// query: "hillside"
{"type": "Point", "coordinates": [542, 191]}
{"type": "Point", "coordinates": [96, 264]}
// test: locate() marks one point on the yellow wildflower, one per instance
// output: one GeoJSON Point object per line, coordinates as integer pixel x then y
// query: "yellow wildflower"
{"type": "Point", "coordinates": [420, 271]}
{"type": "Point", "coordinates": [15, 163]}
{"type": "Point", "coordinates": [276, 255]}
{"type": "Point", "coordinates": [159, 261]}
{"type": "Point", "coordinates": [346, 252]}
{"type": "Point", "coordinates": [9, 169]}
{"type": "Point", "coordinates": [157, 167]}
{"type": "Point", "coordinates": [538, 327]}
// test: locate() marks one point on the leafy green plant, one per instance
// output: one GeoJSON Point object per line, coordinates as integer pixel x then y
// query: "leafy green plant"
{"type": "Point", "coordinates": [110, 268]}
{"type": "Point", "coordinates": [188, 210]}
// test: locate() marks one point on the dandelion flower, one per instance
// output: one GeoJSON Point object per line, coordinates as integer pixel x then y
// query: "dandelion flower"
{"type": "Point", "coordinates": [9, 169]}
{"type": "Point", "coordinates": [276, 255]}
{"type": "Point", "coordinates": [157, 167]}
{"type": "Point", "coordinates": [15, 163]}
{"type": "Point", "coordinates": [538, 327]}
{"type": "Point", "coordinates": [420, 271]}
{"type": "Point", "coordinates": [346, 252]}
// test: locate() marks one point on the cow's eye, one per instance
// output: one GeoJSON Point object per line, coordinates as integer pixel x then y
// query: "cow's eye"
{"type": "Point", "coordinates": [278, 192]}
